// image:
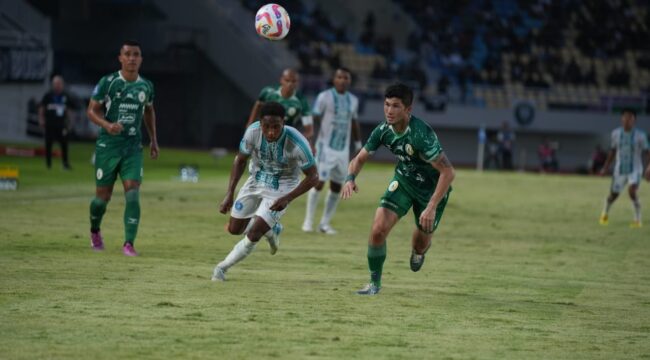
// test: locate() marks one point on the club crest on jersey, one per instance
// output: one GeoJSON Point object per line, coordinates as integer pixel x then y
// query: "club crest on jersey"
{"type": "Point", "coordinates": [291, 111]}
{"type": "Point", "coordinates": [409, 149]}
{"type": "Point", "coordinates": [393, 185]}
{"type": "Point", "coordinates": [142, 96]}
{"type": "Point", "coordinates": [238, 205]}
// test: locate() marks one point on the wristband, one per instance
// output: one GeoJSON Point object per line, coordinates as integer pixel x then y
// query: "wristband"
{"type": "Point", "coordinates": [350, 177]}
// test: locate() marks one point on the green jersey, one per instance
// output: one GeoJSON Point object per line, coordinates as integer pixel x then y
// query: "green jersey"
{"type": "Point", "coordinates": [295, 106]}
{"type": "Point", "coordinates": [415, 148]}
{"type": "Point", "coordinates": [124, 103]}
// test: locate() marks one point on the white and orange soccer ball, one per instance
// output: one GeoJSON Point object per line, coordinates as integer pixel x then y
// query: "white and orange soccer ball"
{"type": "Point", "coordinates": [272, 22]}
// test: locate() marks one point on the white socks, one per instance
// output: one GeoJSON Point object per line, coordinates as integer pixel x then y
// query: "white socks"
{"type": "Point", "coordinates": [312, 202]}
{"type": "Point", "coordinates": [240, 251]}
{"type": "Point", "coordinates": [637, 210]}
{"type": "Point", "coordinates": [330, 207]}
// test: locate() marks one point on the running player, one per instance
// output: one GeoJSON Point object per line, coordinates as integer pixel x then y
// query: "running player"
{"type": "Point", "coordinates": [422, 179]}
{"type": "Point", "coordinates": [295, 105]}
{"type": "Point", "coordinates": [337, 108]}
{"type": "Point", "coordinates": [119, 104]}
{"type": "Point", "coordinates": [629, 144]}
{"type": "Point", "coordinates": [278, 154]}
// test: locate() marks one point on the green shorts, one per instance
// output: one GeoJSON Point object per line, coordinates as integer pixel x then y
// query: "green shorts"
{"type": "Point", "coordinates": [109, 163]}
{"type": "Point", "coordinates": [400, 196]}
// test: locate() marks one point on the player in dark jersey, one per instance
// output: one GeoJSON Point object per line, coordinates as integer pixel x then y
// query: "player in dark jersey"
{"type": "Point", "coordinates": [120, 103]}
{"type": "Point", "coordinates": [422, 180]}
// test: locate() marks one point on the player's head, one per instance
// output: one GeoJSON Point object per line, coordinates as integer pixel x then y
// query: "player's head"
{"type": "Point", "coordinates": [57, 84]}
{"type": "Point", "coordinates": [342, 79]}
{"type": "Point", "coordinates": [628, 118]}
{"type": "Point", "coordinates": [130, 56]}
{"type": "Point", "coordinates": [272, 120]}
{"type": "Point", "coordinates": [398, 99]}
{"type": "Point", "coordinates": [289, 80]}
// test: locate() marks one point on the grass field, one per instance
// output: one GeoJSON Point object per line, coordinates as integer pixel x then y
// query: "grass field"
{"type": "Point", "coordinates": [519, 269]}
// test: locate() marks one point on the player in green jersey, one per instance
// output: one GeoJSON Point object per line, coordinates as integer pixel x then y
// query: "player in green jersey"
{"type": "Point", "coordinates": [296, 106]}
{"type": "Point", "coordinates": [119, 104]}
{"type": "Point", "coordinates": [422, 179]}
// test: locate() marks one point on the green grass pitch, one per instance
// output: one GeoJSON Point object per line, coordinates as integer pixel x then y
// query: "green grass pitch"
{"type": "Point", "coordinates": [519, 269]}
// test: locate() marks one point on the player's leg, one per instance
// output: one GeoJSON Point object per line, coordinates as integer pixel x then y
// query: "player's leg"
{"type": "Point", "coordinates": [105, 176]}
{"type": "Point", "coordinates": [312, 202]}
{"type": "Point", "coordinates": [131, 174]}
{"type": "Point", "coordinates": [243, 248]}
{"type": "Point", "coordinates": [331, 202]}
{"type": "Point", "coordinates": [618, 183]}
{"type": "Point", "coordinates": [63, 141]}
{"type": "Point", "coordinates": [421, 240]}
{"type": "Point", "coordinates": [636, 203]}
{"type": "Point", "coordinates": [393, 205]}
{"type": "Point", "coordinates": [49, 139]}
{"type": "Point", "coordinates": [337, 177]}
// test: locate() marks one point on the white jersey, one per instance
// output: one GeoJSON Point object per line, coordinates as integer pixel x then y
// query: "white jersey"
{"type": "Point", "coordinates": [337, 112]}
{"type": "Point", "coordinates": [276, 165]}
{"type": "Point", "coordinates": [629, 148]}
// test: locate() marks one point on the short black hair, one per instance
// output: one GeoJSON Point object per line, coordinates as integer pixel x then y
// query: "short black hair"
{"type": "Point", "coordinates": [628, 110]}
{"type": "Point", "coordinates": [272, 108]}
{"type": "Point", "coordinates": [400, 91]}
{"type": "Point", "coordinates": [343, 68]}
{"type": "Point", "coordinates": [131, 42]}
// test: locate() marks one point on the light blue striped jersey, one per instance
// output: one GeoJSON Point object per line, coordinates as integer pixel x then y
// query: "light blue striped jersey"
{"type": "Point", "coordinates": [629, 148]}
{"type": "Point", "coordinates": [278, 164]}
{"type": "Point", "coordinates": [337, 112]}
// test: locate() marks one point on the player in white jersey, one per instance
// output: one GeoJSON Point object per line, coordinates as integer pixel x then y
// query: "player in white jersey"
{"type": "Point", "coordinates": [629, 145]}
{"type": "Point", "coordinates": [278, 155]}
{"type": "Point", "coordinates": [337, 110]}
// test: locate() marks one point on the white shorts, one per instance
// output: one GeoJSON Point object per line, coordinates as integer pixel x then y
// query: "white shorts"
{"type": "Point", "coordinates": [255, 199]}
{"type": "Point", "coordinates": [619, 181]}
{"type": "Point", "coordinates": [332, 165]}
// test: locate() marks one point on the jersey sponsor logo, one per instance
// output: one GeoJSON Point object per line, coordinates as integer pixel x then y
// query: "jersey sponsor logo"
{"type": "Point", "coordinates": [238, 205]}
{"type": "Point", "coordinates": [142, 96]}
{"type": "Point", "coordinates": [127, 107]}
{"type": "Point", "coordinates": [393, 185]}
{"type": "Point", "coordinates": [100, 174]}
{"type": "Point", "coordinates": [409, 149]}
{"type": "Point", "coordinates": [131, 131]}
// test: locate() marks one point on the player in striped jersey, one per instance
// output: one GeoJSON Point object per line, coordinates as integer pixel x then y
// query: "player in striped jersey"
{"type": "Point", "coordinates": [278, 154]}
{"type": "Point", "coordinates": [629, 145]}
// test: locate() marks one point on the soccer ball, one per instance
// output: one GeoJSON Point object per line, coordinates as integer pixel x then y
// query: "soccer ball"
{"type": "Point", "coordinates": [272, 22]}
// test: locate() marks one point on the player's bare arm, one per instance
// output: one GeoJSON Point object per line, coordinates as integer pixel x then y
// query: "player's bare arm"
{"type": "Point", "coordinates": [354, 169]}
{"type": "Point", "coordinates": [309, 181]}
{"type": "Point", "coordinates": [608, 161]}
{"type": "Point", "coordinates": [356, 135]}
{"type": "Point", "coordinates": [150, 124]}
{"type": "Point", "coordinates": [238, 167]}
{"type": "Point", "coordinates": [255, 112]}
{"type": "Point", "coordinates": [95, 113]}
{"type": "Point", "coordinates": [447, 174]}
{"type": "Point", "coordinates": [646, 156]}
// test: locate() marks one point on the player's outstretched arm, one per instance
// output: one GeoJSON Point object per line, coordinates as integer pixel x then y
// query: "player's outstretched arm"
{"type": "Point", "coordinates": [646, 155]}
{"type": "Point", "coordinates": [95, 113]}
{"type": "Point", "coordinates": [308, 182]}
{"type": "Point", "coordinates": [238, 167]}
{"type": "Point", "coordinates": [150, 124]}
{"type": "Point", "coordinates": [254, 112]}
{"type": "Point", "coordinates": [608, 161]}
{"type": "Point", "coordinates": [354, 169]}
{"type": "Point", "coordinates": [447, 175]}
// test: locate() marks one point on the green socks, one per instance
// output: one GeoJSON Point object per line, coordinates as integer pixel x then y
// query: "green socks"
{"type": "Point", "coordinates": [131, 215]}
{"type": "Point", "coordinates": [97, 210]}
{"type": "Point", "coordinates": [376, 257]}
